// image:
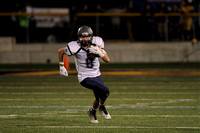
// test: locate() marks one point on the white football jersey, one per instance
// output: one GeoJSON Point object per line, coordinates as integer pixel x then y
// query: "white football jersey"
{"type": "Point", "coordinates": [85, 66]}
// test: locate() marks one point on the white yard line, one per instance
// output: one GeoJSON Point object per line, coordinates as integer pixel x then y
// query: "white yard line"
{"type": "Point", "coordinates": [69, 115]}
{"type": "Point", "coordinates": [113, 93]}
{"type": "Point", "coordinates": [104, 127]}
{"type": "Point", "coordinates": [167, 116]}
{"type": "Point", "coordinates": [85, 99]}
{"type": "Point", "coordinates": [109, 107]}
{"type": "Point", "coordinates": [8, 116]}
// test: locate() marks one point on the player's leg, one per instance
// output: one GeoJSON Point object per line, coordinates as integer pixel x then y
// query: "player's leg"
{"type": "Point", "coordinates": [103, 95]}
{"type": "Point", "coordinates": [95, 104]}
{"type": "Point", "coordinates": [103, 110]}
{"type": "Point", "coordinates": [92, 111]}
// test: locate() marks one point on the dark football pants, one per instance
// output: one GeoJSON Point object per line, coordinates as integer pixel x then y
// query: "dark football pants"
{"type": "Point", "coordinates": [96, 84]}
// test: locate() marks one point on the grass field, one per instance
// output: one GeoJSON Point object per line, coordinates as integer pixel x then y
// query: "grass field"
{"type": "Point", "coordinates": [136, 103]}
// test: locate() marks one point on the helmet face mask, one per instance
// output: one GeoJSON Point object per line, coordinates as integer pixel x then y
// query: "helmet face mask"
{"type": "Point", "coordinates": [85, 35]}
{"type": "Point", "coordinates": [85, 41]}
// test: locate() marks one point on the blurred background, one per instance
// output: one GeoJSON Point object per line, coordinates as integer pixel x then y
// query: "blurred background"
{"type": "Point", "coordinates": [133, 30]}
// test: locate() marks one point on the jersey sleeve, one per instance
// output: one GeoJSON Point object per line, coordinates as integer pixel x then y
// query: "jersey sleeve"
{"type": "Point", "coordinates": [98, 41]}
{"type": "Point", "coordinates": [72, 48]}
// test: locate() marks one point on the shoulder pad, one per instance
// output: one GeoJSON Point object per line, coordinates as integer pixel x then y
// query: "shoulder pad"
{"type": "Point", "coordinates": [72, 48]}
{"type": "Point", "coordinates": [98, 41]}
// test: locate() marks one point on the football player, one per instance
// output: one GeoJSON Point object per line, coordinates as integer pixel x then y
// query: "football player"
{"type": "Point", "coordinates": [87, 51]}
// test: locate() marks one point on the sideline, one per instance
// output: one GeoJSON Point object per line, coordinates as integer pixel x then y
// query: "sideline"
{"type": "Point", "coordinates": [145, 72]}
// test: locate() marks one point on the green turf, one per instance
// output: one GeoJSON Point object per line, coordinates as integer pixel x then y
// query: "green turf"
{"type": "Point", "coordinates": [104, 66]}
{"type": "Point", "coordinates": [136, 103]}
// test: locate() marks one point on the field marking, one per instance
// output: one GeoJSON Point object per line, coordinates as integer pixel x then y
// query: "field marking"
{"type": "Point", "coordinates": [113, 93]}
{"type": "Point", "coordinates": [109, 107]}
{"type": "Point", "coordinates": [101, 127]}
{"type": "Point", "coordinates": [8, 116]}
{"type": "Point", "coordinates": [110, 99]}
{"type": "Point", "coordinates": [165, 102]}
{"type": "Point", "coordinates": [195, 116]}
{"type": "Point", "coordinates": [149, 72]}
{"type": "Point", "coordinates": [67, 115]}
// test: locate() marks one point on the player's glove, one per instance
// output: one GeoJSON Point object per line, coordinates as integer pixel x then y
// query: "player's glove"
{"type": "Point", "coordinates": [96, 50]}
{"type": "Point", "coordinates": [63, 70]}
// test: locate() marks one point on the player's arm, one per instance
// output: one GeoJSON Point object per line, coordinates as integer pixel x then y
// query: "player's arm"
{"type": "Point", "coordinates": [106, 58]}
{"type": "Point", "coordinates": [100, 52]}
{"type": "Point", "coordinates": [61, 53]}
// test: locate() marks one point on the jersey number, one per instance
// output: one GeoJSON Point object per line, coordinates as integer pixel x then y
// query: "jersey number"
{"type": "Point", "coordinates": [89, 62]}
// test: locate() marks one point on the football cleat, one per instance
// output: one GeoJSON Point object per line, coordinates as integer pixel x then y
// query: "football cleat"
{"type": "Point", "coordinates": [104, 112]}
{"type": "Point", "coordinates": [92, 115]}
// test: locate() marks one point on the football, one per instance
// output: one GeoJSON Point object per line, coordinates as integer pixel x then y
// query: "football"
{"type": "Point", "coordinates": [92, 56]}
